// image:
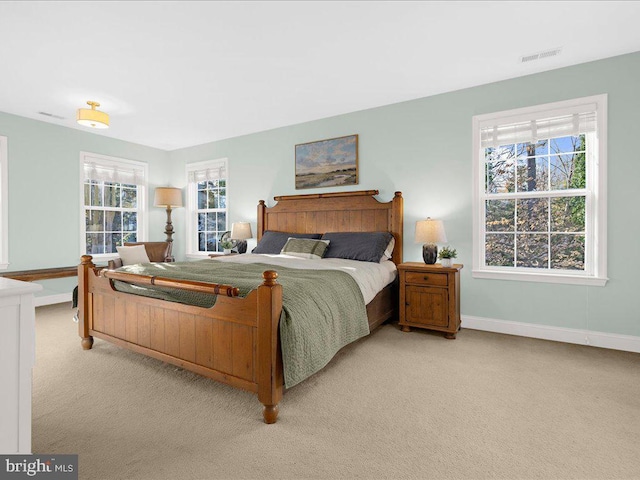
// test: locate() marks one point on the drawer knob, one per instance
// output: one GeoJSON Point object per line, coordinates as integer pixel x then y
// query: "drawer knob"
{"type": "Point", "coordinates": [426, 277]}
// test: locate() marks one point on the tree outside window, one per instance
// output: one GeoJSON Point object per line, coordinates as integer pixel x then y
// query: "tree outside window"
{"type": "Point", "coordinates": [212, 214]}
{"type": "Point", "coordinates": [541, 232]}
{"type": "Point", "coordinates": [111, 215]}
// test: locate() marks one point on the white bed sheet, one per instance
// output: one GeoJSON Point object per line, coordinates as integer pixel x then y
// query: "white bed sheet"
{"type": "Point", "coordinates": [370, 277]}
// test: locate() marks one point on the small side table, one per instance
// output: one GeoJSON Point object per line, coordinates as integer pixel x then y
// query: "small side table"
{"type": "Point", "coordinates": [430, 297]}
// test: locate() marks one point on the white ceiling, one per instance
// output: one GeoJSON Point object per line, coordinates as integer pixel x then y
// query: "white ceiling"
{"type": "Point", "coordinates": [177, 74]}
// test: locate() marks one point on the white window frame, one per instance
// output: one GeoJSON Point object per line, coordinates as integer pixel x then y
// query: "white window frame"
{"type": "Point", "coordinates": [595, 273]}
{"type": "Point", "coordinates": [143, 224]}
{"type": "Point", "coordinates": [192, 204]}
{"type": "Point", "coordinates": [4, 204]}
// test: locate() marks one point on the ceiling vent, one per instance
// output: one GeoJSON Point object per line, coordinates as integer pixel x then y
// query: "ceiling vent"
{"type": "Point", "coordinates": [47, 114]}
{"type": "Point", "coordinates": [540, 55]}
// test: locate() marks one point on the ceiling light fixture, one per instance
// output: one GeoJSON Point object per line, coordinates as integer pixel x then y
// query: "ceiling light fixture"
{"type": "Point", "coordinates": [91, 117]}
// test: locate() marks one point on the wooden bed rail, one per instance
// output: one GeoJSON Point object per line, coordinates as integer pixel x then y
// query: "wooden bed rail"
{"type": "Point", "coordinates": [201, 287]}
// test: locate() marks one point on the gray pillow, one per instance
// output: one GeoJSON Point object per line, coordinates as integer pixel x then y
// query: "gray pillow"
{"type": "Point", "coordinates": [272, 242]}
{"type": "Point", "coordinates": [363, 246]}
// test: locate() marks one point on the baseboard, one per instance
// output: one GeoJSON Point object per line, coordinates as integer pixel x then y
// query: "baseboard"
{"type": "Point", "coordinates": [52, 299]}
{"type": "Point", "coordinates": [628, 343]}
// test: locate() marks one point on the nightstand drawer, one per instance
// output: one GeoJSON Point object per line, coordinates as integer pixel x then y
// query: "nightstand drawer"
{"type": "Point", "coordinates": [420, 278]}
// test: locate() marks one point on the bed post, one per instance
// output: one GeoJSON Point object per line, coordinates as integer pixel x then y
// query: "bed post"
{"type": "Point", "coordinates": [269, 357]}
{"type": "Point", "coordinates": [83, 301]}
{"type": "Point", "coordinates": [262, 212]}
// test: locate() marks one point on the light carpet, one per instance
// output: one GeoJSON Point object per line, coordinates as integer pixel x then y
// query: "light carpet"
{"type": "Point", "coordinates": [392, 405]}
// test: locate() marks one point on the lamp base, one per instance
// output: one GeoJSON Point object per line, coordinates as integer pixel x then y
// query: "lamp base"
{"type": "Point", "coordinates": [430, 253]}
{"type": "Point", "coordinates": [168, 229]}
{"type": "Point", "coordinates": [241, 246]}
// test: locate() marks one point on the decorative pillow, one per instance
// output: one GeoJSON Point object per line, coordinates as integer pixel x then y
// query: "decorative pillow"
{"type": "Point", "coordinates": [306, 248]}
{"type": "Point", "coordinates": [363, 246]}
{"type": "Point", "coordinates": [273, 242]}
{"type": "Point", "coordinates": [133, 255]}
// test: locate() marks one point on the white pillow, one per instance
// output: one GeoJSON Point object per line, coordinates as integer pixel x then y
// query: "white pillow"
{"type": "Point", "coordinates": [132, 255]}
{"type": "Point", "coordinates": [388, 253]}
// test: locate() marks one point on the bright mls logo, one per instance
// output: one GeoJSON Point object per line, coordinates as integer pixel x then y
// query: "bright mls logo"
{"type": "Point", "coordinates": [50, 467]}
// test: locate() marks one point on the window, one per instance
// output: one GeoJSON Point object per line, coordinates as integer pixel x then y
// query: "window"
{"type": "Point", "coordinates": [4, 207]}
{"type": "Point", "coordinates": [114, 203]}
{"type": "Point", "coordinates": [206, 206]}
{"type": "Point", "coordinates": [539, 193]}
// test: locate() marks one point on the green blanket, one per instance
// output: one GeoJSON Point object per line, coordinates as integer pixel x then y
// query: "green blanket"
{"type": "Point", "coordinates": [323, 310]}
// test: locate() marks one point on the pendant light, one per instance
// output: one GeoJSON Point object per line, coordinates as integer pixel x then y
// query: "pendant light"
{"type": "Point", "coordinates": [91, 117]}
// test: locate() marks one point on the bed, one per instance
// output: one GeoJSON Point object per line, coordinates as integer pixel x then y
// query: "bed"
{"type": "Point", "coordinates": [237, 341]}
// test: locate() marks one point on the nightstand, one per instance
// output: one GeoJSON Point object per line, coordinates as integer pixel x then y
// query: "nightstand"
{"type": "Point", "coordinates": [430, 297]}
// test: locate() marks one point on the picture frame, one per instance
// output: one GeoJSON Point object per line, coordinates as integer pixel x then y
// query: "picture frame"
{"type": "Point", "coordinates": [327, 163]}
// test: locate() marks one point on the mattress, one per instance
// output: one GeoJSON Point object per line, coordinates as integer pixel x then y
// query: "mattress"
{"type": "Point", "coordinates": [371, 277]}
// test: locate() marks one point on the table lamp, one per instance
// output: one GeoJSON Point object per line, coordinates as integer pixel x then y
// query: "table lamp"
{"type": "Point", "coordinates": [240, 232]}
{"type": "Point", "coordinates": [430, 232]}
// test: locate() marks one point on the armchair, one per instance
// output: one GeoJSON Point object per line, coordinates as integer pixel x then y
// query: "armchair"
{"type": "Point", "coordinates": [156, 251]}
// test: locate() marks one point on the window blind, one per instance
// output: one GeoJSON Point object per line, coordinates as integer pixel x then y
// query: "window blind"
{"type": "Point", "coordinates": [213, 171]}
{"type": "Point", "coordinates": [530, 130]}
{"type": "Point", "coordinates": [106, 171]}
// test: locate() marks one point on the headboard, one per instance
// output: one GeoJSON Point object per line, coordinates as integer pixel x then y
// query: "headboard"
{"type": "Point", "coordinates": [334, 212]}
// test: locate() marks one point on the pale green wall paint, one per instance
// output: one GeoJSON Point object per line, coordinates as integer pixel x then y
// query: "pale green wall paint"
{"type": "Point", "coordinates": [423, 148]}
{"type": "Point", "coordinates": [44, 183]}
{"type": "Point", "coordinates": [57, 286]}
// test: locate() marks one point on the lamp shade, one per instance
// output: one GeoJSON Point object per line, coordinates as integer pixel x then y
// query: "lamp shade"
{"type": "Point", "coordinates": [167, 197]}
{"type": "Point", "coordinates": [430, 231]}
{"type": "Point", "coordinates": [241, 231]}
{"type": "Point", "coordinates": [90, 117]}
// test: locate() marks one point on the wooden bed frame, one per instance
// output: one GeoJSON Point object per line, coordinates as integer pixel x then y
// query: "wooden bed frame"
{"type": "Point", "coordinates": [237, 340]}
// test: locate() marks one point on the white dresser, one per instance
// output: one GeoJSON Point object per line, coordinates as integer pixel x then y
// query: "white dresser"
{"type": "Point", "coordinates": [17, 357]}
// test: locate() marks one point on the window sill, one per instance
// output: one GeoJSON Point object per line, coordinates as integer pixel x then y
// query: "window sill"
{"type": "Point", "coordinates": [198, 255]}
{"type": "Point", "coordinates": [541, 278]}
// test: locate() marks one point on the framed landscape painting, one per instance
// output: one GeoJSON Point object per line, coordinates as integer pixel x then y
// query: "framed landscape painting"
{"type": "Point", "coordinates": [327, 163]}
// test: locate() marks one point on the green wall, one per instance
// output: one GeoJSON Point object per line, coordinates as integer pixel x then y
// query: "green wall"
{"type": "Point", "coordinates": [44, 189]}
{"type": "Point", "coordinates": [423, 148]}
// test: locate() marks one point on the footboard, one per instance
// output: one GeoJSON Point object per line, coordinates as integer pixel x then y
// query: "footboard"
{"type": "Point", "coordinates": [235, 342]}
